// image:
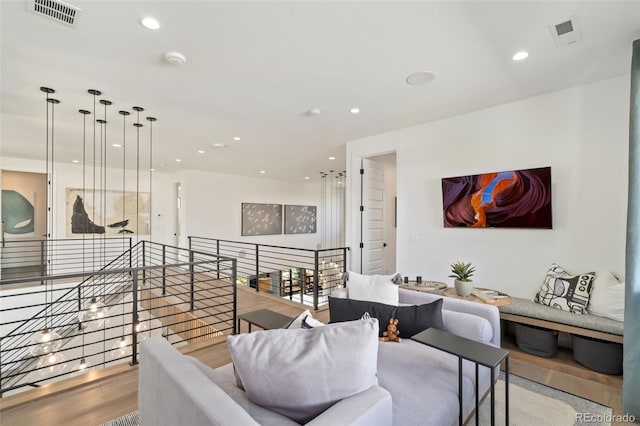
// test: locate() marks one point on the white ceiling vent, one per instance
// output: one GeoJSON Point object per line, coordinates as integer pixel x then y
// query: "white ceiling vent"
{"type": "Point", "coordinates": [57, 10]}
{"type": "Point", "coordinates": [566, 32]}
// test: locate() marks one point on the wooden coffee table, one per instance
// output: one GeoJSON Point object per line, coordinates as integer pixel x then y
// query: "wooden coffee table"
{"type": "Point", "coordinates": [266, 319]}
{"type": "Point", "coordinates": [503, 299]}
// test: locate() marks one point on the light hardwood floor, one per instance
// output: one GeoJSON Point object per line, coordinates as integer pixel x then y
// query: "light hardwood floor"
{"type": "Point", "coordinates": [103, 395]}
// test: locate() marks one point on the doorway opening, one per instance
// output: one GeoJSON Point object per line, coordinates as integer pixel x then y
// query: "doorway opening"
{"type": "Point", "coordinates": [378, 214]}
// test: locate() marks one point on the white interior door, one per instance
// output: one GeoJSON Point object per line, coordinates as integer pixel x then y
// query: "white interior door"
{"type": "Point", "coordinates": [372, 247]}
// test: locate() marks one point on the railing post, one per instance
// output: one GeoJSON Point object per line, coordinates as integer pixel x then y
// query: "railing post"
{"type": "Point", "coordinates": [144, 263]}
{"type": "Point", "coordinates": [134, 317]}
{"type": "Point", "coordinates": [43, 266]}
{"type": "Point", "coordinates": [79, 305]}
{"type": "Point", "coordinates": [344, 259]}
{"type": "Point", "coordinates": [235, 292]}
{"type": "Point", "coordinates": [315, 281]}
{"type": "Point", "coordinates": [189, 238]}
{"type": "Point", "coordinates": [164, 269]}
{"type": "Point", "coordinates": [290, 284]}
{"type": "Point", "coordinates": [257, 267]}
{"type": "Point", "coordinates": [130, 255]}
{"type": "Point", "coordinates": [191, 277]}
{"type": "Point", "coordinates": [218, 254]}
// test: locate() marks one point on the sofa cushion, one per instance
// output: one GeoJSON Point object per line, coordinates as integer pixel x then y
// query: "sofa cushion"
{"type": "Point", "coordinates": [564, 291]}
{"type": "Point", "coordinates": [300, 373]}
{"type": "Point", "coordinates": [412, 319]}
{"type": "Point", "coordinates": [374, 288]}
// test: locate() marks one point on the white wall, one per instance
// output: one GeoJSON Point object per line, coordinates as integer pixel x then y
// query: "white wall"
{"type": "Point", "coordinates": [582, 133]}
{"type": "Point", "coordinates": [67, 175]}
{"type": "Point", "coordinates": [212, 205]}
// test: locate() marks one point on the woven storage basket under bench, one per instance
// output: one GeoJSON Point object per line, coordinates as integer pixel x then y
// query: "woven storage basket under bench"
{"type": "Point", "coordinates": [597, 341]}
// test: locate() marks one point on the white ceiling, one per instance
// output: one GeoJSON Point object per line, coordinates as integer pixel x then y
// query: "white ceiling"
{"type": "Point", "coordinates": [254, 68]}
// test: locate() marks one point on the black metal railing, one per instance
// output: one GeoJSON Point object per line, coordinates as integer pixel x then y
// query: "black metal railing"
{"type": "Point", "coordinates": [304, 275]}
{"type": "Point", "coordinates": [185, 295]}
{"type": "Point", "coordinates": [37, 258]}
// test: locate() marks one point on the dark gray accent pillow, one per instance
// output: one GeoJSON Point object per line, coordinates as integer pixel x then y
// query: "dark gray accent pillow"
{"type": "Point", "coordinates": [412, 319]}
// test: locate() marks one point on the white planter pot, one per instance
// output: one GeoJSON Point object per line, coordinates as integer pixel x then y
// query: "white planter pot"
{"type": "Point", "coordinates": [463, 288]}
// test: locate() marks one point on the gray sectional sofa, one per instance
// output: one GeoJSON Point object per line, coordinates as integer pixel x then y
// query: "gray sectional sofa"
{"type": "Point", "coordinates": [418, 385]}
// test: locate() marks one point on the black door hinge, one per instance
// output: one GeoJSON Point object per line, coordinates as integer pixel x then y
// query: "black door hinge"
{"type": "Point", "coordinates": [361, 208]}
{"type": "Point", "coordinates": [361, 245]}
{"type": "Point", "coordinates": [361, 171]}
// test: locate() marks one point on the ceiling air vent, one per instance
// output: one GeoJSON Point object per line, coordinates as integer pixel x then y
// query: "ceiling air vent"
{"type": "Point", "coordinates": [566, 32]}
{"type": "Point", "coordinates": [57, 10]}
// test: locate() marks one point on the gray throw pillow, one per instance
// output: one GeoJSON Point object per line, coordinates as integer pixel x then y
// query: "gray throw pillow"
{"type": "Point", "coordinates": [300, 373]}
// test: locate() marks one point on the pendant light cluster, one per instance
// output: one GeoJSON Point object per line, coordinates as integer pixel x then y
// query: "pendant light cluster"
{"type": "Point", "coordinates": [93, 313]}
{"type": "Point", "coordinates": [332, 203]}
{"type": "Point", "coordinates": [47, 342]}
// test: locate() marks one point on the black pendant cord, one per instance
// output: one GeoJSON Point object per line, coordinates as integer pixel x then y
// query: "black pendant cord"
{"type": "Point", "coordinates": [138, 125]}
{"type": "Point", "coordinates": [151, 120]}
{"type": "Point", "coordinates": [105, 103]}
{"type": "Point", "coordinates": [94, 93]}
{"type": "Point", "coordinates": [124, 171]}
{"type": "Point", "coordinates": [84, 113]}
{"type": "Point", "coordinates": [124, 168]}
{"type": "Point", "coordinates": [46, 282]}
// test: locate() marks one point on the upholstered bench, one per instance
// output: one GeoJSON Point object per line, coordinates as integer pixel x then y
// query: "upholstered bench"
{"type": "Point", "coordinates": [597, 341]}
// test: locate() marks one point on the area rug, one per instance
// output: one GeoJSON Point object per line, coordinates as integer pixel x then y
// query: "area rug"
{"type": "Point", "coordinates": [530, 404]}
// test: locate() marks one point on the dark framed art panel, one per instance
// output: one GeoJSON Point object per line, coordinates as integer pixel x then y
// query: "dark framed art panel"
{"type": "Point", "coordinates": [261, 219]}
{"type": "Point", "coordinates": [510, 199]}
{"type": "Point", "coordinates": [300, 219]}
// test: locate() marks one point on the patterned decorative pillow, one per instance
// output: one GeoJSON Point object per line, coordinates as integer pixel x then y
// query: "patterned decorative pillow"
{"type": "Point", "coordinates": [564, 291]}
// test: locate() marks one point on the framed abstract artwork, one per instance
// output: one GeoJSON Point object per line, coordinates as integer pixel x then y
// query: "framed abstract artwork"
{"type": "Point", "coordinates": [107, 212]}
{"type": "Point", "coordinates": [300, 219]}
{"type": "Point", "coordinates": [510, 199]}
{"type": "Point", "coordinates": [261, 219]}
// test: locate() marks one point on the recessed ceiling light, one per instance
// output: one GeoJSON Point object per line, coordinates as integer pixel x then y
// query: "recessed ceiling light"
{"type": "Point", "coordinates": [236, 138]}
{"type": "Point", "coordinates": [263, 172]}
{"type": "Point", "coordinates": [520, 55]}
{"type": "Point", "coordinates": [116, 145]}
{"type": "Point", "coordinates": [218, 145]}
{"type": "Point", "coordinates": [420, 78]}
{"type": "Point", "coordinates": [200, 151]}
{"type": "Point", "coordinates": [152, 170]}
{"type": "Point", "coordinates": [307, 178]}
{"type": "Point", "coordinates": [75, 161]}
{"type": "Point", "coordinates": [178, 160]}
{"type": "Point", "coordinates": [332, 158]}
{"type": "Point", "coordinates": [314, 111]}
{"type": "Point", "coordinates": [150, 23]}
{"type": "Point", "coordinates": [354, 110]}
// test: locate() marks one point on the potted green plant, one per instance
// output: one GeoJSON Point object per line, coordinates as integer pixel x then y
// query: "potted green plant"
{"type": "Point", "coordinates": [462, 272]}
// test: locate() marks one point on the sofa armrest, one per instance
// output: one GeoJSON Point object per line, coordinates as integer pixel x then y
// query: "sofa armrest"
{"type": "Point", "coordinates": [369, 408]}
{"type": "Point", "coordinates": [488, 312]}
{"type": "Point", "coordinates": [173, 391]}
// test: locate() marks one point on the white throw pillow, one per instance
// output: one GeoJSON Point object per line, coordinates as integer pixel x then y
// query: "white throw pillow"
{"type": "Point", "coordinates": [373, 288]}
{"type": "Point", "coordinates": [607, 297]}
{"type": "Point", "coordinates": [304, 320]}
{"type": "Point", "coordinates": [300, 373]}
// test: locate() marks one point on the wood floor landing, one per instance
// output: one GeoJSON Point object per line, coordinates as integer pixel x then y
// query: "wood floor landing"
{"type": "Point", "coordinates": [98, 396]}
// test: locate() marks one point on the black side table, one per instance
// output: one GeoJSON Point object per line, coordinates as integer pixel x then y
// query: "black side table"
{"type": "Point", "coordinates": [479, 353]}
{"type": "Point", "coordinates": [266, 319]}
